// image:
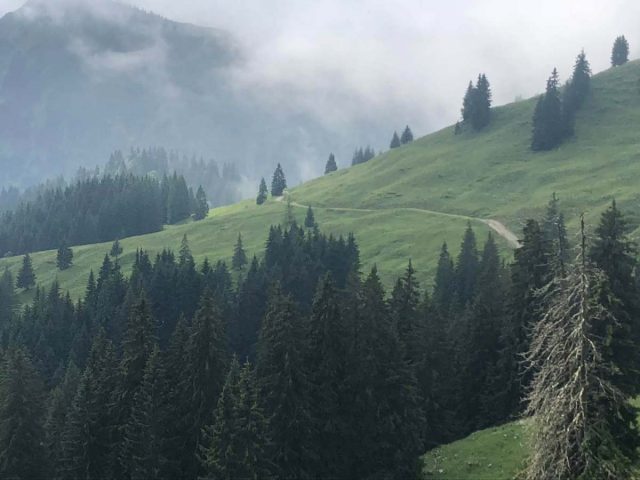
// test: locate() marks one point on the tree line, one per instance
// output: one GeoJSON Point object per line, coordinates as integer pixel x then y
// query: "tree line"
{"type": "Point", "coordinates": [302, 368]}
{"type": "Point", "coordinates": [98, 209]}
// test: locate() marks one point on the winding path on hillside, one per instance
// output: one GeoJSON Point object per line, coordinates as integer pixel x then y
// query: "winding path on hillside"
{"type": "Point", "coordinates": [495, 225]}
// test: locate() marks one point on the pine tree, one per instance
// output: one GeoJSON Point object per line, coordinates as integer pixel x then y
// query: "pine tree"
{"type": "Point", "coordinates": [239, 256]}
{"type": "Point", "coordinates": [8, 300]}
{"type": "Point", "coordinates": [262, 192]}
{"type": "Point", "coordinates": [278, 183]}
{"type": "Point", "coordinates": [444, 285]}
{"type": "Point", "coordinates": [88, 443]}
{"type": "Point", "coordinates": [577, 89]}
{"type": "Point", "coordinates": [620, 52]}
{"type": "Point", "coordinates": [26, 276]}
{"type": "Point", "coordinates": [387, 418]}
{"type": "Point", "coordinates": [237, 445]}
{"type": "Point", "coordinates": [468, 103]}
{"type": "Point", "coordinates": [60, 404]}
{"type": "Point", "coordinates": [327, 366]}
{"type": "Point", "coordinates": [310, 220]}
{"type": "Point", "coordinates": [64, 257]}
{"type": "Point", "coordinates": [614, 253]}
{"type": "Point", "coordinates": [205, 373]}
{"type": "Point", "coordinates": [202, 205]}
{"type": "Point", "coordinates": [407, 136]}
{"type": "Point", "coordinates": [395, 141]}
{"type": "Point", "coordinates": [581, 424]}
{"type": "Point", "coordinates": [144, 433]}
{"type": "Point", "coordinates": [289, 219]}
{"type": "Point", "coordinates": [555, 233]}
{"type": "Point", "coordinates": [21, 419]}
{"type": "Point", "coordinates": [549, 122]}
{"type": "Point", "coordinates": [466, 268]}
{"type": "Point", "coordinates": [284, 388]}
{"type": "Point", "coordinates": [331, 165]}
{"type": "Point", "coordinates": [116, 249]}
{"type": "Point", "coordinates": [481, 98]}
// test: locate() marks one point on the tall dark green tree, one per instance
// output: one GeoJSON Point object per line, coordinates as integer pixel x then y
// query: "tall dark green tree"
{"type": "Point", "coordinates": [327, 366]}
{"type": "Point", "coordinates": [145, 431]}
{"type": "Point", "coordinates": [8, 301]}
{"type": "Point", "coordinates": [202, 205]}
{"type": "Point", "coordinates": [22, 412]}
{"type": "Point", "coordinates": [309, 219]}
{"type": "Point", "coordinates": [331, 165]}
{"type": "Point", "coordinates": [205, 374]}
{"type": "Point", "coordinates": [555, 233]}
{"type": "Point", "coordinates": [620, 51]}
{"type": "Point", "coordinates": [444, 285]}
{"type": "Point", "coordinates": [577, 88]}
{"type": "Point", "coordinates": [262, 192]}
{"type": "Point", "coordinates": [89, 439]}
{"type": "Point", "coordinates": [386, 404]}
{"type": "Point", "coordinates": [615, 254]}
{"type": "Point", "coordinates": [466, 272]}
{"type": "Point", "coordinates": [64, 257]}
{"type": "Point", "coordinates": [481, 99]}
{"type": "Point", "coordinates": [549, 122]}
{"type": "Point", "coordinates": [237, 442]}
{"type": "Point", "coordinates": [239, 255]}
{"type": "Point", "coordinates": [407, 135]}
{"type": "Point", "coordinates": [285, 388]}
{"type": "Point", "coordinates": [278, 182]}
{"type": "Point", "coordinates": [116, 249]}
{"type": "Point", "coordinates": [395, 141]}
{"type": "Point", "coordinates": [26, 276]}
{"type": "Point", "coordinates": [467, 103]}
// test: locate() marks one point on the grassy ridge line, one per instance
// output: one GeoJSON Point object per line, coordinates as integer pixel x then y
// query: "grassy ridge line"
{"type": "Point", "coordinates": [387, 238]}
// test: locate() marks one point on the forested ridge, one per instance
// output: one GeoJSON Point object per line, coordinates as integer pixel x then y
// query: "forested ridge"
{"type": "Point", "coordinates": [293, 366]}
{"type": "Point", "coordinates": [98, 209]}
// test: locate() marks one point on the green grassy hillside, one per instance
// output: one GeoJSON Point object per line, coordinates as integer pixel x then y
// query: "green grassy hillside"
{"type": "Point", "coordinates": [493, 454]}
{"type": "Point", "coordinates": [404, 203]}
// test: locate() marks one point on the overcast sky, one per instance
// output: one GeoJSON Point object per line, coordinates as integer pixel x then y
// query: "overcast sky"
{"type": "Point", "coordinates": [410, 60]}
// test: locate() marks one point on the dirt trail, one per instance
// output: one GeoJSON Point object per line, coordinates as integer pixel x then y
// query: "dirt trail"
{"type": "Point", "coordinates": [495, 225]}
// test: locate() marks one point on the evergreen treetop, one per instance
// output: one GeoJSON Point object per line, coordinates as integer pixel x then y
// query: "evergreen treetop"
{"type": "Point", "coordinates": [407, 135]}
{"type": "Point", "coordinates": [395, 141]}
{"type": "Point", "coordinates": [620, 51]}
{"type": "Point", "coordinates": [262, 192]}
{"type": "Point", "coordinates": [309, 220]}
{"type": "Point", "coordinates": [331, 165]}
{"type": "Point", "coordinates": [278, 183]}
{"type": "Point", "coordinates": [64, 257]}
{"type": "Point", "coordinates": [239, 256]}
{"type": "Point", "coordinates": [26, 276]}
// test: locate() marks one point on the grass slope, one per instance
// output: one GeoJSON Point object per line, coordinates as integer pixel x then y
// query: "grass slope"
{"type": "Point", "coordinates": [387, 238]}
{"type": "Point", "coordinates": [491, 174]}
{"type": "Point", "coordinates": [494, 454]}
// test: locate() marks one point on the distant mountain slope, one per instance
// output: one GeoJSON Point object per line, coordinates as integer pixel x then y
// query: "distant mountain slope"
{"type": "Point", "coordinates": [79, 79]}
{"type": "Point", "coordinates": [406, 202]}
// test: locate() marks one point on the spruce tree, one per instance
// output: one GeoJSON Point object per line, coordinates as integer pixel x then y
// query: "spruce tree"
{"type": "Point", "coordinates": [205, 373]}
{"type": "Point", "coordinates": [444, 285]}
{"type": "Point", "coordinates": [278, 183]}
{"type": "Point", "coordinates": [202, 205]}
{"type": "Point", "coordinates": [26, 276]}
{"type": "Point", "coordinates": [285, 389]}
{"type": "Point", "coordinates": [466, 268]}
{"type": "Point", "coordinates": [577, 89]}
{"type": "Point", "coordinates": [262, 192]}
{"type": "Point", "coordinates": [89, 438]}
{"type": "Point", "coordinates": [237, 442]}
{"type": "Point", "coordinates": [239, 256]}
{"type": "Point", "coordinates": [327, 366]}
{"type": "Point", "coordinates": [407, 136]}
{"type": "Point", "coordinates": [64, 257]}
{"type": "Point", "coordinates": [22, 413]}
{"type": "Point", "coordinates": [144, 432]}
{"type": "Point", "coordinates": [620, 52]}
{"type": "Point", "coordinates": [331, 165]}
{"type": "Point", "coordinates": [309, 220]}
{"type": "Point", "coordinates": [468, 103]}
{"type": "Point", "coordinates": [8, 300]}
{"type": "Point", "coordinates": [613, 252]}
{"type": "Point", "coordinates": [555, 233]}
{"type": "Point", "coordinates": [395, 141]}
{"type": "Point", "coordinates": [116, 249]}
{"type": "Point", "coordinates": [581, 422]}
{"type": "Point", "coordinates": [549, 121]}
{"type": "Point", "coordinates": [481, 99]}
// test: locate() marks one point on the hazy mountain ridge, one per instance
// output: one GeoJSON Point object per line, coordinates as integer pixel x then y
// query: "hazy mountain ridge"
{"type": "Point", "coordinates": [79, 81]}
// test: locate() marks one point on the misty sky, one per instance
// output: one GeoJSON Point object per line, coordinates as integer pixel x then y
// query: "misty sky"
{"type": "Point", "coordinates": [409, 60]}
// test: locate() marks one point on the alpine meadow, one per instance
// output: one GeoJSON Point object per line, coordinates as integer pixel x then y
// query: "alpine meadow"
{"type": "Point", "coordinates": [262, 241]}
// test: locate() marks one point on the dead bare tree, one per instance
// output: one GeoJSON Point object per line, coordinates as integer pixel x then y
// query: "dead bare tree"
{"type": "Point", "coordinates": [572, 401]}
